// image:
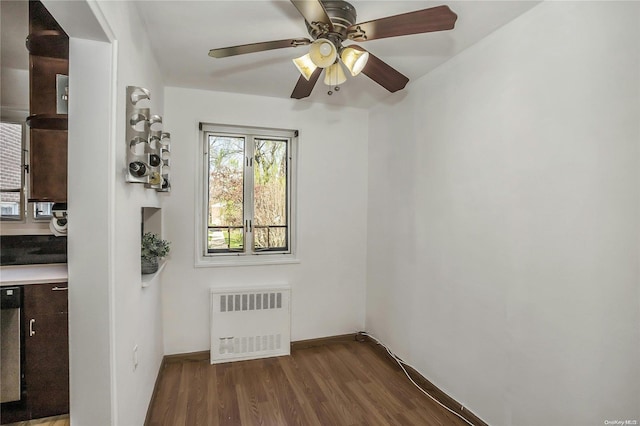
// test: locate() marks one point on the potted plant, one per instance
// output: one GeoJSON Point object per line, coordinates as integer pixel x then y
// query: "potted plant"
{"type": "Point", "coordinates": [153, 248]}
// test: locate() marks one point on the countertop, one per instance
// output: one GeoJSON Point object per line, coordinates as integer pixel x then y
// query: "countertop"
{"type": "Point", "coordinates": [33, 274]}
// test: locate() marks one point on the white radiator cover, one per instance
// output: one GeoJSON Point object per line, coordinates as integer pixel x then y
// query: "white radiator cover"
{"type": "Point", "coordinates": [250, 322]}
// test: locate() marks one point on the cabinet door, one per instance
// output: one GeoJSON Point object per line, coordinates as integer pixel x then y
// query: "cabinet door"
{"type": "Point", "coordinates": [42, 91]}
{"type": "Point", "coordinates": [48, 165]}
{"type": "Point", "coordinates": [46, 366]}
{"type": "Point", "coordinates": [48, 45]}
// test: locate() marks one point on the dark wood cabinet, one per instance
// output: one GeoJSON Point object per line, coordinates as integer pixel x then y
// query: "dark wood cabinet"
{"type": "Point", "coordinates": [42, 84]}
{"type": "Point", "coordinates": [48, 165]}
{"type": "Point", "coordinates": [48, 47]}
{"type": "Point", "coordinates": [46, 367]}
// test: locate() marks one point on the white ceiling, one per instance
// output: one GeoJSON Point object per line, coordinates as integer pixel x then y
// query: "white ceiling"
{"type": "Point", "coordinates": [182, 32]}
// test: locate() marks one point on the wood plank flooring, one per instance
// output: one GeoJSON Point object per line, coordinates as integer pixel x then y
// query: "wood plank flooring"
{"type": "Point", "coordinates": [346, 383]}
{"type": "Point", "coordinates": [49, 421]}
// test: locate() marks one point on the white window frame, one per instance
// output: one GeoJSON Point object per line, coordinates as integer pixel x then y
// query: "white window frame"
{"type": "Point", "coordinates": [202, 257]}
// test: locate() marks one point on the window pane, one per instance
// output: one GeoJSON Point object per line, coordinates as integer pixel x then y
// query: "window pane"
{"type": "Point", "coordinates": [270, 194]}
{"type": "Point", "coordinates": [42, 210]}
{"type": "Point", "coordinates": [225, 205]}
{"type": "Point", "coordinates": [226, 238]}
{"type": "Point", "coordinates": [10, 205]}
{"type": "Point", "coordinates": [10, 170]}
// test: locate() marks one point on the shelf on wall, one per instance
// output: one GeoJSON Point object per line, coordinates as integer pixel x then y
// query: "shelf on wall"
{"type": "Point", "coordinates": [152, 279]}
{"type": "Point", "coordinates": [48, 43]}
{"type": "Point", "coordinates": [48, 121]}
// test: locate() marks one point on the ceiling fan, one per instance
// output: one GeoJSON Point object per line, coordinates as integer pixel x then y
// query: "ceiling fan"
{"type": "Point", "coordinates": [332, 22]}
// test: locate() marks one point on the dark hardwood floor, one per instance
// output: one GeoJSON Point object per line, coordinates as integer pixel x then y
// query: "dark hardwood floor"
{"type": "Point", "coordinates": [346, 383]}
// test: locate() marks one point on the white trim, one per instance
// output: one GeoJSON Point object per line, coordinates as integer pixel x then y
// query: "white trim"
{"type": "Point", "coordinates": [98, 13]}
{"type": "Point", "coordinates": [95, 8]}
{"type": "Point", "coordinates": [104, 24]}
{"type": "Point", "coordinates": [111, 209]}
{"type": "Point", "coordinates": [254, 260]}
{"type": "Point", "coordinates": [111, 203]}
{"type": "Point", "coordinates": [246, 130]}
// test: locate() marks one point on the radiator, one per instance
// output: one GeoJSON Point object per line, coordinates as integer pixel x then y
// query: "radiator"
{"type": "Point", "coordinates": [250, 323]}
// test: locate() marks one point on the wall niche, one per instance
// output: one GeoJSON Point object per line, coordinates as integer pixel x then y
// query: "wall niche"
{"type": "Point", "coordinates": [151, 221]}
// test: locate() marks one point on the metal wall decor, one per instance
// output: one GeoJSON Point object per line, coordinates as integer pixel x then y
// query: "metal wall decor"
{"type": "Point", "coordinates": [148, 147]}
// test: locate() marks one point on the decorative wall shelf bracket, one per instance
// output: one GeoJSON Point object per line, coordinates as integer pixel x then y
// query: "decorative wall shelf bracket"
{"type": "Point", "coordinates": [148, 146]}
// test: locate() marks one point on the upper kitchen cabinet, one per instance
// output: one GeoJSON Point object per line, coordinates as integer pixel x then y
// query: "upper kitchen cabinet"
{"type": "Point", "coordinates": [48, 165]}
{"type": "Point", "coordinates": [48, 47]}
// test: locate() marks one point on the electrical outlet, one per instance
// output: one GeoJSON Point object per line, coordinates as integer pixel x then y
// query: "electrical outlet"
{"type": "Point", "coordinates": [135, 357]}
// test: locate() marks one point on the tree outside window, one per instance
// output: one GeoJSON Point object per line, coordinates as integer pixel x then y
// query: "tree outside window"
{"type": "Point", "coordinates": [248, 205]}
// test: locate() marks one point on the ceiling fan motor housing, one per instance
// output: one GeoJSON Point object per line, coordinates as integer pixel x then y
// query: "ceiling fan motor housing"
{"type": "Point", "coordinates": [342, 15]}
{"type": "Point", "coordinates": [330, 23]}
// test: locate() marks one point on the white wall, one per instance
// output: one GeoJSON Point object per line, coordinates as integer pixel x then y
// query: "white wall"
{"type": "Point", "coordinates": [503, 196]}
{"type": "Point", "coordinates": [89, 209]}
{"type": "Point", "coordinates": [328, 283]}
{"type": "Point", "coordinates": [88, 267]}
{"type": "Point", "coordinates": [137, 311]}
{"type": "Point", "coordinates": [109, 311]}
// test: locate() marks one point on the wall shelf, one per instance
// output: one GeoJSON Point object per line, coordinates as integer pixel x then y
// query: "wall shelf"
{"type": "Point", "coordinates": [48, 121]}
{"type": "Point", "coordinates": [152, 279]}
{"type": "Point", "coordinates": [50, 43]}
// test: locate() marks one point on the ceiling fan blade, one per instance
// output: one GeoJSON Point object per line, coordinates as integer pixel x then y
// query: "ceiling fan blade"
{"type": "Point", "coordinates": [314, 13]}
{"type": "Point", "coordinates": [382, 73]}
{"type": "Point", "coordinates": [303, 87]}
{"type": "Point", "coordinates": [257, 47]}
{"type": "Point", "coordinates": [438, 18]}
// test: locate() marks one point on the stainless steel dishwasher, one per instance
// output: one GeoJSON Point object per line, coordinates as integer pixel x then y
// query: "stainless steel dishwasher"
{"type": "Point", "coordinates": [10, 338]}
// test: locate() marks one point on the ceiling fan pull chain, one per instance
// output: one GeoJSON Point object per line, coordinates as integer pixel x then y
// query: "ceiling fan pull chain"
{"type": "Point", "coordinates": [332, 82]}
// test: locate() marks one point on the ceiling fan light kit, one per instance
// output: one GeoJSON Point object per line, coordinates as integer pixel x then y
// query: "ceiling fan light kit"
{"type": "Point", "coordinates": [305, 65]}
{"type": "Point", "coordinates": [332, 22]}
{"type": "Point", "coordinates": [355, 60]}
{"type": "Point", "coordinates": [334, 75]}
{"type": "Point", "coordinates": [323, 53]}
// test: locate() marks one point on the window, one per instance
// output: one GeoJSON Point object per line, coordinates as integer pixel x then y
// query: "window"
{"type": "Point", "coordinates": [12, 176]}
{"type": "Point", "coordinates": [42, 211]}
{"type": "Point", "coordinates": [247, 193]}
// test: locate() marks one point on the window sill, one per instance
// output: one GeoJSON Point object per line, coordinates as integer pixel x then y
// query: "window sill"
{"type": "Point", "coordinates": [259, 260]}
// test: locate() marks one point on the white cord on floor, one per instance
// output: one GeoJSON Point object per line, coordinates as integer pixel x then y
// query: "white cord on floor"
{"type": "Point", "coordinates": [401, 363]}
